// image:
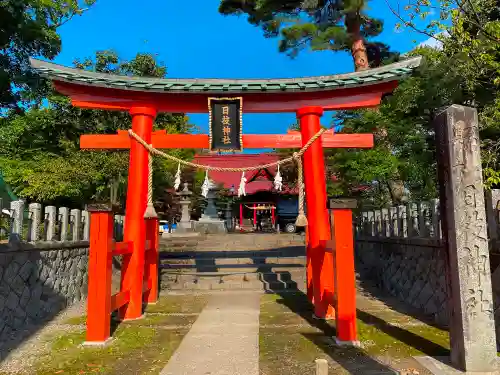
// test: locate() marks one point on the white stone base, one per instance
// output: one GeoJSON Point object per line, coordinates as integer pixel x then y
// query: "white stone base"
{"type": "Point", "coordinates": [210, 226]}
{"type": "Point", "coordinates": [132, 319]}
{"type": "Point", "coordinates": [97, 343]}
{"type": "Point", "coordinates": [441, 366]}
{"type": "Point", "coordinates": [347, 344]}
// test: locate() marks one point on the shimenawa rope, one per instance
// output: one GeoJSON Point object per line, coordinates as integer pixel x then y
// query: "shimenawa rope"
{"type": "Point", "coordinates": [301, 218]}
{"type": "Point", "coordinates": [150, 209]}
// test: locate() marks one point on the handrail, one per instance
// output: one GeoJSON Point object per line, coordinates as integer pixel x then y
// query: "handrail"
{"type": "Point", "coordinates": [120, 299]}
{"type": "Point", "coordinates": [124, 247]}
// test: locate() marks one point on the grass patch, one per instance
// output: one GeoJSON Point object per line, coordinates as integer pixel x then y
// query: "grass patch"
{"type": "Point", "coordinates": [156, 319]}
{"type": "Point", "coordinates": [149, 319]}
{"type": "Point", "coordinates": [76, 320]}
{"type": "Point", "coordinates": [134, 350]}
{"type": "Point", "coordinates": [138, 346]}
{"type": "Point", "coordinates": [179, 304]}
{"type": "Point", "coordinates": [293, 348]}
{"type": "Point", "coordinates": [188, 304]}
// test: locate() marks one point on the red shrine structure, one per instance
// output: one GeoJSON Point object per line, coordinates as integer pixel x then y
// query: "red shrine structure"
{"type": "Point", "coordinates": [143, 98]}
{"type": "Point", "coordinates": [260, 192]}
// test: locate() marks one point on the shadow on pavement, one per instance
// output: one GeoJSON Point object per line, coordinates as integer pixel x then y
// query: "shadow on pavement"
{"type": "Point", "coordinates": [354, 360]}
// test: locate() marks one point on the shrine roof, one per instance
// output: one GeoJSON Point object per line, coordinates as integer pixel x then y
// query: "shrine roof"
{"type": "Point", "coordinates": [392, 72]}
{"type": "Point", "coordinates": [232, 179]}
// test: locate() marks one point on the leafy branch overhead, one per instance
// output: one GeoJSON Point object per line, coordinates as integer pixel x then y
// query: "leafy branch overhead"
{"type": "Point", "coordinates": [29, 28]}
{"type": "Point", "coordinates": [40, 156]}
{"type": "Point", "coordinates": [463, 70]}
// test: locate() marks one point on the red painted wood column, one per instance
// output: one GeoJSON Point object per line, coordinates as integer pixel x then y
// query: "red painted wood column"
{"type": "Point", "coordinates": [345, 283]}
{"type": "Point", "coordinates": [135, 225]}
{"type": "Point", "coordinates": [309, 286]}
{"type": "Point", "coordinates": [321, 262]}
{"type": "Point", "coordinates": [100, 270]}
{"type": "Point", "coordinates": [151, 273]}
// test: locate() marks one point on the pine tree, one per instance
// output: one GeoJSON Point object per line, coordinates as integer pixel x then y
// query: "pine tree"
{"type": "Point", "coordinates": [336, 25]}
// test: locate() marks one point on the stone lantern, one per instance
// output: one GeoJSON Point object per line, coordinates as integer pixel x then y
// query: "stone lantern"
{"type": "Point", "coordinates": [185, 225]}
{"type": "Point", "coordinates": [209, 221]}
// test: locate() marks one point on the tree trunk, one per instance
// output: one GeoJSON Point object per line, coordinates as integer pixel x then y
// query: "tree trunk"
{"type": "Point", "coordinates": [358, 48]}
{"type": "Point", "coordinates": [360, 57]}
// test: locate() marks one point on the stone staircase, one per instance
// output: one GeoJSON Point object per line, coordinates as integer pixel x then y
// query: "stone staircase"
{"type": "Point", "coordinates": [269, 262]}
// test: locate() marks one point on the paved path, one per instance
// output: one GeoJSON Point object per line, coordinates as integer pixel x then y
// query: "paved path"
{"type": "Point", "coordinates": [224, 340]}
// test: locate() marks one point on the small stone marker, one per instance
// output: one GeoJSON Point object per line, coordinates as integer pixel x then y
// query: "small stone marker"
{"type": "Point", "coordinates": [321, 366]}
{"type": "Point", "coordinates": [472, 325]}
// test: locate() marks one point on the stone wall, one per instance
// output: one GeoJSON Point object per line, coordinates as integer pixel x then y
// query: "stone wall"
{"type": "Point", "coordinates": [413, 270]}
{"type": "Point", "coordinates": [37, 281]}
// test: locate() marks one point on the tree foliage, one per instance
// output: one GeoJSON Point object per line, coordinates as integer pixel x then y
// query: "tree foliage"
{"type": "Point", "coordinates": [463, 71]}
{"type": "Point", "coordinates": [40, 156]}
{"type": "Point", "coordinates": [29, 28]}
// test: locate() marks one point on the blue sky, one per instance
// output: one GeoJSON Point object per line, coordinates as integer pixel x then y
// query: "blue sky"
{"type": "Point", "coordinates": [190, 40]}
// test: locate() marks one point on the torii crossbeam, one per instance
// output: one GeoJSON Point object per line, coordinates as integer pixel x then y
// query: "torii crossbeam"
{"type": "Point", "coordinates": [160, 139]}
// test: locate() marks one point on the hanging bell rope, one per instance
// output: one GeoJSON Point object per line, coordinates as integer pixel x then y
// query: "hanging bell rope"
{"type": "Point", "coordinates": [297, 156]}
{"type": "Point", "coordinates": [150, 209]}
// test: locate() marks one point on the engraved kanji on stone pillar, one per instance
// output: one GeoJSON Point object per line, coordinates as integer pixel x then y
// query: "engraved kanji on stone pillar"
{"type": "Point", "coordinates": [472, 325]}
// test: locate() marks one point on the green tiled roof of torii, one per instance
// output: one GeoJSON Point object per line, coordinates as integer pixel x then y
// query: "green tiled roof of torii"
{"type": "Point", "coordinates": [386, 73]}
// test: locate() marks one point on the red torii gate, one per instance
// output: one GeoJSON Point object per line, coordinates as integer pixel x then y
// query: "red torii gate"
{"type": "Point", "coordinates": [308, 97]}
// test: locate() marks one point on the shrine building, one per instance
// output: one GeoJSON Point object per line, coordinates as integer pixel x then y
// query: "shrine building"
{"type": "Point", "coordinates": [261, 196]}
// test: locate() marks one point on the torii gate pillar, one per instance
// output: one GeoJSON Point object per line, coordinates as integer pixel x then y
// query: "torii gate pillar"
{"type": "Point", "coordinates": [135, 225]}
{"type": "Point", "coordinates": [319, 262]}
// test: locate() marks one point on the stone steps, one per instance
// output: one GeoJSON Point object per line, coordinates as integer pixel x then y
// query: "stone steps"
{"type": "Point", "coordinates": [205, 284]}
{"type": "Point", "coordinates": [295, 251]}
{"type": "Point", "coordinates": [235, 261]}
{"type": "Point", "coordinates": [230, 279]}
{"type": "Point", "coordinates": [225, 262]}
{"type": "Point", "coordinates": [284, 276]}
{"type": "Point", "coordinates": [232, 268]}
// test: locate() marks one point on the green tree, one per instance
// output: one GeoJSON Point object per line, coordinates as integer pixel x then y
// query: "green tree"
{"type": "Point", "coordinates": [469, 32]}
{"type": "Point", "coordinates": [40, 155]}
{"type": "Point", "coordinates": [407, 150]}
{"type": "Point", "coordinates": [29, 28]}
{"type": "Point", "coordinates": [336, 25]}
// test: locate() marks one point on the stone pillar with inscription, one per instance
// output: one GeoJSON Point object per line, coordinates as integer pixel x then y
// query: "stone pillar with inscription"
{"type": "Point", "coordinates": [472, 325]}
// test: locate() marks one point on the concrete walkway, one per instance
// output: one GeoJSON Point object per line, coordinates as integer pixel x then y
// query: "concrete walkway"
{"type": "Point", "coordinates": [224, 340]}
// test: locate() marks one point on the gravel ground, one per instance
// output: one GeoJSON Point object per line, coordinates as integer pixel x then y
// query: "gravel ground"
{"type": "Point", "coordinates": [29, 349]}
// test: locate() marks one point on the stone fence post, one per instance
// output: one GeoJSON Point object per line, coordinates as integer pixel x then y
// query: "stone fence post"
{"type": "Point", "coordinates": [50, 223]}
{"type": "Point", "coordinates": [17, 212]}
{"type": "Point", "coordinates": [35, 210]}
{"type": "Point", "coordinates": [472, 325]}
{"type": "Point", "coordinates": [492, 206]}
{"type": "Point", "coordinates": [64, 223]}
{"type": "Point", "coordinates": [86, 225]}
{"type": "Point", "coordinates": [76, 224]}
